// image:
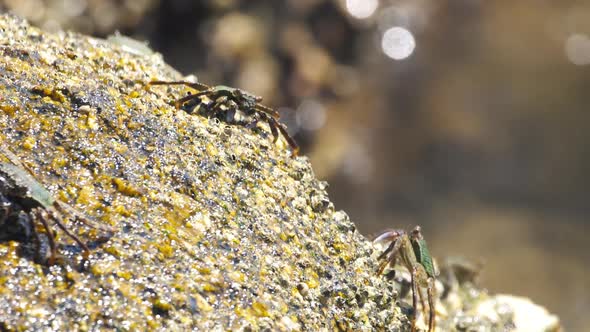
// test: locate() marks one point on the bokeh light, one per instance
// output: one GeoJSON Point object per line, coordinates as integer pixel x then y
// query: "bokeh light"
{"type": "Point", "coordinates": [358, 164]}
{"type": "Point", "coordinates": [361, 8]}
{"type": "Point", "coordinates": [405, 14]}
{"type": "Point", "coordinates": [74, 7]}
{"type": "Point", "coordinates": [311, 115]}
{"type": "Point", "coordinates": [398, 43]}
{"type": "Point", "coordinates": [577, 49]}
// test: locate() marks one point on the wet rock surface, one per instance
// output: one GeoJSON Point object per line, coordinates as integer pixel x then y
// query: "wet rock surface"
{"type": "Point", "coordinates": [217, 227]}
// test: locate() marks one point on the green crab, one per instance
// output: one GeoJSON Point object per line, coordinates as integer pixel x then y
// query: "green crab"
{"type": "Point", "coordinates": [411, 251]}
{"type": "Point", "coordinates": [234, 101]}
{"type": "Point", "coordinates": [20, 192]}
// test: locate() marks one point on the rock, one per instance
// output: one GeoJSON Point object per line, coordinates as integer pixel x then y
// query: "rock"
{"type": "Point", "coordinates": [527, 316]}
{"type": "Point", "coordinates": [217, 227]}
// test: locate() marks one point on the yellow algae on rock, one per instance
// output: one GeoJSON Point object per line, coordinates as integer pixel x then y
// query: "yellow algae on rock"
{"type": "Point", "coordinates": [260, 309]}
{"type": "Point", "coordinates": [29, 143]}
{"type": "Point", "coordinates": [126, 187]}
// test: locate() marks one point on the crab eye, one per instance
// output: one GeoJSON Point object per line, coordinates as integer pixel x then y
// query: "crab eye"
{"type": "Point", "coordinates": [258, 99]}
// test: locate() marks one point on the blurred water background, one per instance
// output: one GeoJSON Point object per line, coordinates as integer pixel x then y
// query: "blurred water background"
{"type": "Point", "coordinates": [467, 117]}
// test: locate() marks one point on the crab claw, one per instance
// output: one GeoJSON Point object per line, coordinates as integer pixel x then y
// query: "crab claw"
{"type": "Point", "coordinates": [389, 235]}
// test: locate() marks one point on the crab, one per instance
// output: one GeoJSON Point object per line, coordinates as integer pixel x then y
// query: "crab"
{"type": "Point", "coordinates": [411, 251]}
{"type": "Point", "coordinates": [20, 192]}
{"type": "Point", "coordinates": [234, 101]}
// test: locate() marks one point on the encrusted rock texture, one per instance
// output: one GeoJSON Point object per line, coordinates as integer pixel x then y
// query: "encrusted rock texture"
{"type": "Point", "coordinates": [216, 227]}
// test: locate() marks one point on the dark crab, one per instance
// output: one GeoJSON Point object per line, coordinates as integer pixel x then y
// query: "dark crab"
{"type": "Point", "coordinates": [24, 199]}
{"type": "Point", "coordinates": [411, 251]}
{"type": "Point", "coordinates": [233, 101]}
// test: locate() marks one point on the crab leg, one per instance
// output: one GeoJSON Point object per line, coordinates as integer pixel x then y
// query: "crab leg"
{"type": "Point", "coordinates": [392, 236]}
{"type": "Point", "coordinates": [390, 253]}
{"type": "Point", "coordinates": [268, 110]}
{"type": "Point", "coordinates": [430, 290]}
{"type": "Point", "coordinates": [273, 129]}
{"type": "Point", "coordinates": [202, 88]}
{"type": "Point", "coordinates": [391, 262]}
{"type": "Point", "coordinates": [70, 234]}
{"type": "Point", "coordinates": [178, 103]}
{"type": "Point", "coordinates": [414, 296]}
{"type": "Point", "coordinates": [195, 85]}
{"type": "Point", "coordinates": [65, 208]}
{"type": "Point", "coordinates": [50, 237]}
{"type": "Point", "coordinates": [274, 125]}
{"type": "Point", "coordinates": [289, 139]}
